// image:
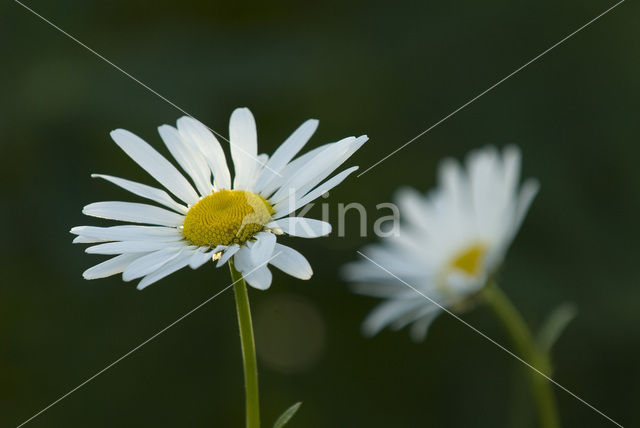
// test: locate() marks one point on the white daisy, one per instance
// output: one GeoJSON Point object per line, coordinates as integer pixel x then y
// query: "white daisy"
{"type": "Point", "coordinates": [451, 242]}
{"type": "Point", "coordinates": [215, 220]}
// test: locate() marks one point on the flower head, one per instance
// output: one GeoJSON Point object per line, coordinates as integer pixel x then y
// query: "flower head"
{"type": "Point", "coordinates": [213, 218]}
{"type": "Point", "coordinates": [451, 242]}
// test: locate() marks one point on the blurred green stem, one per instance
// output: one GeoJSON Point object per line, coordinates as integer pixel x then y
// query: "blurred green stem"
{"type": "Point", "coordinates": [248, 348]}
{"type": "Point", "coordinates": [529, 351]}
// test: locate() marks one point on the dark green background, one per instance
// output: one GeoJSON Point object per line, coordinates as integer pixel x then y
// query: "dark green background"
{"type": "Point", "coordinates": [388, 69]}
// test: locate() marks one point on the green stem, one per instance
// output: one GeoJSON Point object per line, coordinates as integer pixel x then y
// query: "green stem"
{"type": "Point", "coordinates": [248, 348]}
{"type": "Point", "coordinates": [529, 351]}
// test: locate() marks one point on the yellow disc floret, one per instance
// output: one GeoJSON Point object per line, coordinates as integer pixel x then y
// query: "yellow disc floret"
{"type": "Point", "coordinates": [226, 217]}
{"type": "Point", "coordinates": [470, 260]}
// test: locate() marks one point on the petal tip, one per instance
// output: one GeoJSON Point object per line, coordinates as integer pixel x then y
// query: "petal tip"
{"type": "Point", "coordinates": [117, 132]}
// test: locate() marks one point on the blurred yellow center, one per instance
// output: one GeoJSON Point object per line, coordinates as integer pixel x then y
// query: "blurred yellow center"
{"type": "Point", "coordinates": [226, 217]}
{"type": "Point", "coordinates": [470, 260]}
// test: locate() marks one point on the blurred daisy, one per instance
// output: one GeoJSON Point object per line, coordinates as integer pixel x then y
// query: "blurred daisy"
{"type": "Point", "coordinates": [451, 242]}
{"type": "Point", "coordinates": [205, 219]}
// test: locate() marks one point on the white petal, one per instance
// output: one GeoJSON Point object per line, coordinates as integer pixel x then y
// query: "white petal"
{"type": "Point", "coordinates": [386, 312]}
{"type": "Point", "coordinates": [483, 166]}
{"type": "Point", "coordinates": [392, 258]}
{"type": "Point", "coordinates": [528, 191]}
{"type": "Point", "coordinates": [243, 261]}
{"type": "Point", "coordinates": [167, 269]}
{"type": "Point", "coordinates": [155, 164]}
{"type": "Point", "coordinates": [287, 150]}
{"type": "Point", "coordinates": [130, 211]}
{"type": "Point", "coordinates": [395, 259]}
{"type": "Point", "coordinates": [190, 160]}
{"type": "Point", "coordinates": [419, 329]}
{"type": "Point", "coordinates": [312, 169]}
{"type": "Point", "coordinates": [302, 227]}
{"type": "Point", "coordinates": [291, 262]}
{"type": "Point", "coordinates": [374, 278]}
{"type": "Point", "coordinates": [259, 278]}
{"type": "Point", "coordinates": [122, 247]}
{"type": "Point", "coordinates": [413, 316]}
{"type": "Point", "coordinates": [318, 169]}
{"type": "Point", "coordinates": [289, 207]}
{"type": "Point", "coordinates": [262, 249]}
{"type": "Point", "coordinates": [127, 233]}
{"type": "Point", "coordinates": [150, 263]}
{"type": "Point", "coordinates": [455, 183]}
{"type": "Point", "coordinates": [202, 138]}
{"type": "Point", "coordinates": [411, 204]}
{"type": "Point", "coordinates": [290, 170]}
{"type": "Point", "coordinates": [261, 161]}
{"type": "Point", "coordinates": [144, 191]}
{"type": "Point", "coordinates": [200, 257]}
{"type": "Point", "coordinates": [244, 146]}
{"type": "Point", "coordinates": [227, 254]}
{"type": "Point", "coordinates": [331, 167]}
{"type": "Point", "coordinates": [110, 267]}
{"type": "Point", "coordinates": [511, 163]}
{"type": "Point", "coordinates": [85, 240]}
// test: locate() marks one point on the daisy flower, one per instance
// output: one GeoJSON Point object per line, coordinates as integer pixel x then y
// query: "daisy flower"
{"type": "Point", "coordinates": [452, 240]}
{"type": "Point", "coordinates": [206, 216]}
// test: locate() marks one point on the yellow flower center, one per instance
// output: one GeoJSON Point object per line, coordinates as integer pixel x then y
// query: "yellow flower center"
{"type": "Point", "coordinates": [226, 217]}
{"type": "Point", "coordinates": [470, 259]}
